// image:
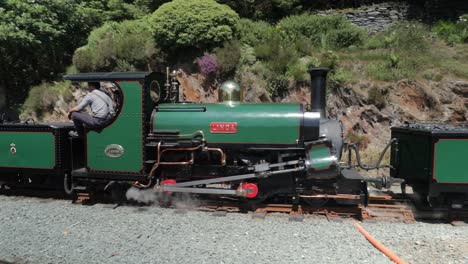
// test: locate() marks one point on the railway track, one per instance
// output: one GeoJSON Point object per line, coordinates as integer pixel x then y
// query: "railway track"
{"type": "Point", "coordinates": [373, 212]}
{"type": "Point", "coordinates": [391, 208]}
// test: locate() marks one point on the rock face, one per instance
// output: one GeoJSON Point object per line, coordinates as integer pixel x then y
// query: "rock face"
{"type": "Point", "coordinates": [405, 101]}
{"type": "Point", "coordinates": [196, 88]}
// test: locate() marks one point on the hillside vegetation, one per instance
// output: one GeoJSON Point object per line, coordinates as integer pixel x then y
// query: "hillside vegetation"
{"type": "Point", "coordinates": [267, 46]}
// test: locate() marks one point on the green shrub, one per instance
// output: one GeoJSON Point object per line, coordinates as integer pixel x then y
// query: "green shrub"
{"type": "Point", "coordinates": [278, 85]}
{"type": "Point", "coordinates": [346, 37]}
{"type": "Point", "coordinates": [228, 57]}
{"type": "Point", "coordinates": [116, 47]}
{"type": "Point", "coordinates": [313, 27]}
{"type": "Point", "coordinates": [339, 77]}
{"type": "Point", "coordinates": [330, 60]}
{"type": "Point", "coordinates": [254, 33]}
{"type": "Point", "coordinates": [83, 59]}
{"type": "Point", "coordinates": [407, 37]}
{"type": "Point", "coordinates": [374, 42]}
{"type": "Point", "coordinates": [201, 24]}
{"type": "Point", "coordinates": [42, 99]}
{"type": "Point", "coordinates": [453, 33]}
{"type": "Point", "coordinates": [444, 29]}
{"type": "Point", "coordinates": [298, 70]}
{"type": "Point", "coordinates": [277, 53]}
{"type": "Point", "coordinates": [384, 72]}
{"type": "Point", "coordinates": [303, 47]}
{"type": "Point", "coordinates": [247, 55]}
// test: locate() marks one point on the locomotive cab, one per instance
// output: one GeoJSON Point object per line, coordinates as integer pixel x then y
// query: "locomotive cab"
{"type": "Point", "coordinates": [117, 151]}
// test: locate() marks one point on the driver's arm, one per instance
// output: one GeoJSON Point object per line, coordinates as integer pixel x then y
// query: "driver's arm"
{"type": "Point", "coordinates": [86, 101]}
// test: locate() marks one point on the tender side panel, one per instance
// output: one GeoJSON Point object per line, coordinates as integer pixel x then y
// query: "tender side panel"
{"type": "Point", "coordinates": [450, 159]}
{"type": "Point", "coordinates": [119, 147]}
{"type": "Point", "coordinates": [27, 150]}
{"type": "Point", "coordinates": [248, 123]}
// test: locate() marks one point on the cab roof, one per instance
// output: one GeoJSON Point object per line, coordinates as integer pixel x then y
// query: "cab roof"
{"type": "Point", "coordinates": [106, 76]}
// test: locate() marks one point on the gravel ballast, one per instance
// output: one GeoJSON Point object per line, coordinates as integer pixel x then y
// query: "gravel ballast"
{"type": "Point", "coordinates": [36, 230]}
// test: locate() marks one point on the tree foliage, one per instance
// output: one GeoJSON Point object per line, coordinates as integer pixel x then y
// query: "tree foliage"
{"type": "Point", "coordinates": [201, 24]}
{"type": "Point", "coordinates": [269, 10]}
{"type": "Point", "coordinates": [115, 46]}
{"type": "Point", "coordinates": [38, 38]}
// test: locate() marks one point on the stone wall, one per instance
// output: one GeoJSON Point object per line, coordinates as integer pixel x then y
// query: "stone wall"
{"type": "Point", "coordinates": [374, 17]}
{"type": "Point", "coordinates": [378, 15]}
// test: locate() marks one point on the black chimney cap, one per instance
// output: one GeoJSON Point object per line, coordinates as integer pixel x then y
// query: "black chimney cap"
{"type": "Point", "coordinates": [318, 70]}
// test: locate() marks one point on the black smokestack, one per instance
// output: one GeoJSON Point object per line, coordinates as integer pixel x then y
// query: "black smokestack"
{"type": "Point", "coordinates": [318, 77]}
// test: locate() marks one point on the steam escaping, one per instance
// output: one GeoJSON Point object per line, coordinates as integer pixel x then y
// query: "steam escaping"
{"type": "Point", "coordinates": [147, 196]}
{"type": "Point", "coordinates": [185, 201]}
{"type": "Point", "coordinates": [150, 197]}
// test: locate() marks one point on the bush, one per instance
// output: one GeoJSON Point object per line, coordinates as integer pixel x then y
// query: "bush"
{"type": "Point", "coordinates": [247, 55]}
{"type": "Point", "coordinates": [407, 37]}
{"type": "Point", "coordinates": [83, 59]}
{"type": "Point", "coordinates": [208, 65]}
{"type": "Point", "coordinates": [254, 33]}
{"type": "Point", "coordinates": [453, 33]}
{"type": "Point", "coordinates": [346, 37]}
{"type": "Point", "coordinates": [277, 53]}
{"type": "Point", "coordinates": [228, 57]}
{"type": "Point", "coordinates": [312, 27]}
{"type": "Point", "coordinates": [278, 85]}
{"type": "Point", "coordinates": [298, 70]}
{"type": "Point", "coordinates": [42, 99]}
{"type": "Point", "coordinates": [201, 24]}
{"type": "Point", "coordinates": [330, 60]}
{"type": "Point", "coordinates": [116, 46]}
{"type": "Point", "coordinates": [384, 72]}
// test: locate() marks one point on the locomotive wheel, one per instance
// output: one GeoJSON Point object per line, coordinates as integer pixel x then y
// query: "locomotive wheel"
{"type": "Point", "coordinates": [168, 182]}
{"type": "Point", "coordinates": [251, 188]}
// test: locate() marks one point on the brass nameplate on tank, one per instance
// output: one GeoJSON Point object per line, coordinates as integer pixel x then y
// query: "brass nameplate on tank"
{"type": "Point", "coordinates": [223, 127]}
{"type": "Point", "coordinates": [114, 151]}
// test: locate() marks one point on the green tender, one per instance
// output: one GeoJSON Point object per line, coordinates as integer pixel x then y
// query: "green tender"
{"type": "Point", "coordinates": [450, 158]}
{"type": "Point", "coordinates": [33, 150]}
{"type": "Point", "coordinates": [320, 157]}
{"type": "Point", "coordinates": [256, 123]}
{"type": "Point", "coordinates": [126, 131]}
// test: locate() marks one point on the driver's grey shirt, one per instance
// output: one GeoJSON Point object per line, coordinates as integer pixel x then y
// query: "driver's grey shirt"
{"type": "Point", "coordinates": [101, 105]}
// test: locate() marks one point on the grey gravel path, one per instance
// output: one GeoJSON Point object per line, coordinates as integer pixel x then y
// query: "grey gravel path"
{"type": "Point", "coordinates": [54, 231]}
{"type": "Point", "coordinates": [423, 242]}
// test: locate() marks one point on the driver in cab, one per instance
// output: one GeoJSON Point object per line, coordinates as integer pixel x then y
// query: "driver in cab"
{"type": "Point", "coordinates": [102, 108]}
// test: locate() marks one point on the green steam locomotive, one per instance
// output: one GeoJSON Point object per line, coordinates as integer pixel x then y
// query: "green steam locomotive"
{"type": "Point", "coordinates": [249, 151]}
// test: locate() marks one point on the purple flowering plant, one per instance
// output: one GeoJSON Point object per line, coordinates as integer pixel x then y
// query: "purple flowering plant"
{"type": "Point", "coordinates": [208, 65]}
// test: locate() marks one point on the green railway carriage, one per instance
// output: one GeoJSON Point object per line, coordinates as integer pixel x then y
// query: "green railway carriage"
{"type": "Point", "coordinates": [432, 159]}
{"type": "Point", "coordinates": [30, 153]}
